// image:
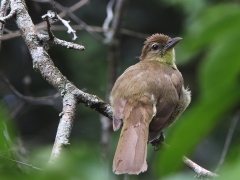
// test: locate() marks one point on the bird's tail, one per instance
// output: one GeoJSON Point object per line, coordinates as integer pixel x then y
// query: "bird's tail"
{"type": "Point", "coordinates": [130, 156]}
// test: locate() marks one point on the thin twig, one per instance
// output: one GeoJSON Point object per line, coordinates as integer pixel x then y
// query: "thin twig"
{"type": "Point", "coordinates": [11, 35]}
{"type": "Point", "coordinates": [7, 30]}
{"type": "Point", "coordinates": [63, 13]}
{"type": "Point", "coordinates": [70, 29]}
{"type": "Point", "coordinates": [76, 19]}
{"type": "Point", "coordinates": [201, 172]}
{"type": "Point", "coordinates": [117, 20]}
{"type": "Point", "coordinates": [228, 139]}
{"type": "Point", "coordinates": [19, 162]}
{"type": "Point", "coordinates": [128, 32]}
{"type": "Point", "coordinates": [109, 17]}
{"type": "Point", "coordinates": [53, 16]}
{"type": "Point", "coordinates": [43, 25]}
{"type": "Point", "coordinates": [46, 17]}
{"type": "Point", "coordinates": [69, 45]}
{"type": "Point", "coordinates": [46, 100]}
{"type": "Point", "coordinates": [33, 100]}
{"type": "Point", "coordinates": [100, 29]}
{"type": "Point", "coordinates": [19, 109]}
{"type": "Point", "coordinates": [134, 33]}
{"type": "Point", "coordinates": [79, 21]}
{"type": "Point", "coordinates": [10, 15]}
{"type": "Point", "coordinates": [56, 41]}
{"type": "Point", "coordinates": [75, 7]}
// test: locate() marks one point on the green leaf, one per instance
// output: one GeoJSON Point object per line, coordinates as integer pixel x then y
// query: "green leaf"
{"type": "Point", "coordinates": [218, 78]}
{"type": "Point", "coordinates": [206, 29]}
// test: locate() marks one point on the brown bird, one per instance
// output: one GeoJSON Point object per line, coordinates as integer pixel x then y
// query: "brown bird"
{"type": "Point", "coordinates": [146, 98]}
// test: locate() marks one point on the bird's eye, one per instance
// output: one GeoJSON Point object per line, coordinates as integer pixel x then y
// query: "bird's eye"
{"type": "Point", "coordinates": [154, 46]}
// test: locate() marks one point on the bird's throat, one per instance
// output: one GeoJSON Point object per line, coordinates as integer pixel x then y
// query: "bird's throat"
{"type": "Point", "coordinates": [168, 58]}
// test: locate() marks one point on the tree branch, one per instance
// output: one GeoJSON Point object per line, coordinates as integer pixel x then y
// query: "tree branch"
{"type": "Point", "coordinates": [201, 172]}
{"type": "Point", "coordinates": [65, 126]}
{"type": "Point", "coordinates": [44, 65]}
{"type": "Point", "coordinates": [55, 41]}
{"type": "Point", "coordinates": [94, 102]}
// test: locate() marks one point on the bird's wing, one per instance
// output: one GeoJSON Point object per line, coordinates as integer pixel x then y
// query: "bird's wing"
{"type": "Point", "coordinates": [167, 103]}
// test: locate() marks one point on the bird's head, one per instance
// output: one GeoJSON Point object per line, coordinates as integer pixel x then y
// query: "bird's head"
{"type": "Point", "coordinates": [159, 47]}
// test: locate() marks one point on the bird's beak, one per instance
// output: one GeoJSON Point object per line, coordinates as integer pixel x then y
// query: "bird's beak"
{"type": "Point", "coordinates": [172, 43]}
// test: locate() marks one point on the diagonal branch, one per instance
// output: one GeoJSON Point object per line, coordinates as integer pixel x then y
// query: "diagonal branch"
{"type": "Point", "coordinates": [200, 171]}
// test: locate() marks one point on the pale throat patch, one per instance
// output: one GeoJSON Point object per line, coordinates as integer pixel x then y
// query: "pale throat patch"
{"type": "Point", "coordinates": [168, 57]}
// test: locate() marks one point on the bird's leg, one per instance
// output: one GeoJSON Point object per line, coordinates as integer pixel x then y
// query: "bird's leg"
{"type": "Point", "coordinates": [158, 142]}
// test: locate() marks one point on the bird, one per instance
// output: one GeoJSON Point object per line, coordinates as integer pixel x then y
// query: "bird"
{"type": "Point", "coordinates": [147, 98]}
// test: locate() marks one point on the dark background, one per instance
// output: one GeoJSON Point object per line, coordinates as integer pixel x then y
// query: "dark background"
{"type": "Point", "coordinates": [208, 57]}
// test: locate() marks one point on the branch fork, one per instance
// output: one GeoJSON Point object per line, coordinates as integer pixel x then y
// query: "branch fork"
{"type": "Point", "coordinates": [10, 15]}
{"type": "Point", "coordinates": [54, 16]}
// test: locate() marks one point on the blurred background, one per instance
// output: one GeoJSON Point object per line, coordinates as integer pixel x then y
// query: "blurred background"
{"type": "Point", "coordinates": [208, 57]}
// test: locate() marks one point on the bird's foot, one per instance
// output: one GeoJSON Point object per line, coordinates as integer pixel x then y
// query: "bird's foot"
{"type": "Point", "coordinates": [157, 143]}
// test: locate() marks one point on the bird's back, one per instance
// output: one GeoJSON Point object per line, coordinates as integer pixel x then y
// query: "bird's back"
{"type": "Point", "coordinates": [154, 77]}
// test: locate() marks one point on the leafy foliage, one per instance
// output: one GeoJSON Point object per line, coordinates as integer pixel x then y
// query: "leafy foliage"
{"type": "Point", "coordinates": [218, 77]}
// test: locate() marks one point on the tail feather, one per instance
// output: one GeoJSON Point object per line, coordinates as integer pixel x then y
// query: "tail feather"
{"type": "Point", "coordinates": [130, 156]}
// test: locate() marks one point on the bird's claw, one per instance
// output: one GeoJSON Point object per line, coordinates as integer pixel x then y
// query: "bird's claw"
{"type": "Point", "coordinates": [158, 142]}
